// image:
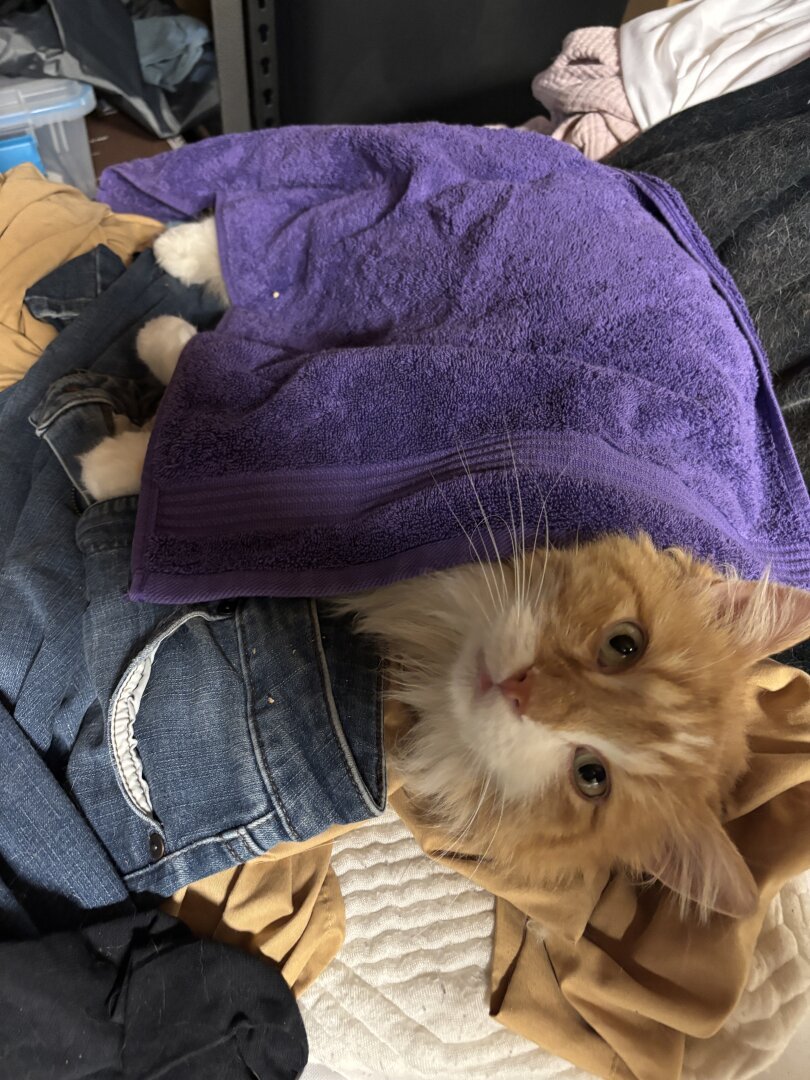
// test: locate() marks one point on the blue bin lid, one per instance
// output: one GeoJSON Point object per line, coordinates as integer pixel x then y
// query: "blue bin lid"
{"type": "Point", "coordinates": [36, 102]}
{"type": "Point", "coordinates": [18, 150]}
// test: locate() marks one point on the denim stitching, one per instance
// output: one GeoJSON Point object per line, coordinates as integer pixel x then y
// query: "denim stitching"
{"type": "Point", "coordinates": [220, 838]}
{"type": "Point", "coordinates": [347, 757]}
{"type": "Point", "coordinates": [250, 694]}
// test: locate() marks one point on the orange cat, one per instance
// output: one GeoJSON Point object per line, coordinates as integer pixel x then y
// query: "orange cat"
{"type": "Point", "coordinates": [589, 704]}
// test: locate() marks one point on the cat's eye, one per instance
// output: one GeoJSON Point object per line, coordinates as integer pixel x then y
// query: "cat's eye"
{"type": "Point", "coordinates": [622, 645]}
{"type": "Point", "coordinates": [589, 774]}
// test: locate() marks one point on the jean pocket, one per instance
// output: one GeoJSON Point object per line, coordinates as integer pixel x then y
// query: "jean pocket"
{"type": "Point", "coordinates": [127, 699]}
{"type": "Point", "coordinates": [171, 688]}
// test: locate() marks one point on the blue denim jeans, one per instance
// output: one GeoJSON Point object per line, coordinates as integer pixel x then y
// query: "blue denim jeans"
{"type": "Point", "coordinates": [64, 293]}
{"type": "Point", "coordinates": [143, 747]}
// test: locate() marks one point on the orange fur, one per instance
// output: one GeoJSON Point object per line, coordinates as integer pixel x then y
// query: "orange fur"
{"type": "Point", "coordinates": [672, 728]}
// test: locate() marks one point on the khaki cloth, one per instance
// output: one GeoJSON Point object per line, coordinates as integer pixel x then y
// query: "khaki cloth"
{"type": "Point", "coordinates": [285, 906]}
{"type": "Point", "coordinates": [605, 974]}
{"type": "Point", "coordinates": [42, 226]}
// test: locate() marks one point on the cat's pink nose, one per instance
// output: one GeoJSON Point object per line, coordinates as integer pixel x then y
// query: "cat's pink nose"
{"type": "Point", "coordinates": [516, 690]}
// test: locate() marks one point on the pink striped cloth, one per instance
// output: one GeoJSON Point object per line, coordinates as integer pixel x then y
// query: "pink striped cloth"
{"type": "Point", "coordinates": [584, 93]}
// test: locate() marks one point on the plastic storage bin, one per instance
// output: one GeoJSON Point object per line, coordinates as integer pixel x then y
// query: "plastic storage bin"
{"type": "Point", "coordinates": [52, 112]}
{"type": "Point", "coordinates": [17, 150]}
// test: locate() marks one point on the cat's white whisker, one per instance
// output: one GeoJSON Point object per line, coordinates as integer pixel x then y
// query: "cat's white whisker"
{"type": "Point", "coordinates": [522, 592]}
{"type": "Point", "coordinates": [513, 536]}
{"type": "Point", "coordinates": [544, 516]}
{"type": "Point", "coordinates": [517, 605]}
{"type": "Point", "coordinates": [485, 519]}
{"type": "Point", "coordinates": [457, 841]}
{"type": "Point", "coordinates": [724, 658]}
{"type": "Point", "coordinates": [692, 740]}
{"type": "Point", "coordinates": [545, 558]}
{"type": "Point", "coordinates": [537, 593]}
{"type": "Point", "coordinates": [470, 541]}
{"type": "Point", "coordinates": [673, 754]}
{"type": "Point", "coordinates": [516, 550]}
{"type": "Point", "coordinates": [488, 848]}
{"type": "Point", "coordinates": [502, 599]}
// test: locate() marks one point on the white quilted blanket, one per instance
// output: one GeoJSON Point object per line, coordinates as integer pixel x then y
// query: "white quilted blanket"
{"type": "Point", "coordinates": [407, 995]}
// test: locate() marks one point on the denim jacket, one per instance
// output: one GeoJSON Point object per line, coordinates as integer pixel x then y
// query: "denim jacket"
{"type": "Point", "coordinates": [143, 747]}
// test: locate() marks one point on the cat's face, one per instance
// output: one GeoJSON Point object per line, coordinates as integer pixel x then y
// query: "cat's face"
{"type": "Point", "coordinates": [593, 703]}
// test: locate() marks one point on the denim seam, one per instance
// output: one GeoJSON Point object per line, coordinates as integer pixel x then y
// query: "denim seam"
{"type": "Point", "coordinates": [250, 693]}
{"type": "Point", "coordinates": [80, 398]}
{"type": "Point", "coordinates": [260, 821]}
{"type": "Point", "coordinates": [347, 756]}
{"type": "Point", "coordinates": [110, 545]}
{"type": "Point", "coordinates": [61, 461]}
{"type": "Point", "coordinates": [220, 838]}
{"type": "Point", "coordinates": [234, 854]}
{"type": "Point", "coordinates": [382, 772]}
{"type": "Point", "coordinates": [67, 307]}
{"type": "Point", "coordinates": [248, 841]}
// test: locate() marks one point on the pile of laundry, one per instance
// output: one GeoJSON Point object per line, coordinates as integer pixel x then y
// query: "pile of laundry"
{"type": "Point", "coordinates": [608, 85]}
{"type": "Point", "coordinates": [146, 57]}
{"type": "Point", "coordinates": [205, 863]}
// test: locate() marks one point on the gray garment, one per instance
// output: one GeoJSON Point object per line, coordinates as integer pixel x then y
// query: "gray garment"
{"type": "Point", "coordinates": [169, 47]}
{"type": "Point", "coordinates": [742, 164]}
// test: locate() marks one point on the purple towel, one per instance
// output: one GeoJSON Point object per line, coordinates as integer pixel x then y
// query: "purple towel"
{"type": "Point", "coordinates": [433, 324]}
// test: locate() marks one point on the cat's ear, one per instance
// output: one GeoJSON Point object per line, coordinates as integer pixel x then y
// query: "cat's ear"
{"type": "Point", "coordinates": [700, 864]}
{"type": "Point", "coordinates": [764, 618]}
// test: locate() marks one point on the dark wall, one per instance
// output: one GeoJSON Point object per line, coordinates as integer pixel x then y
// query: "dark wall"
{"type": "Point", "coordinates": [461, 61]}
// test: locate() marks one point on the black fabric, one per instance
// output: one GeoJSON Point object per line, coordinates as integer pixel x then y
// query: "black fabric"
{"type": "Point", "coordinates": [140, 998]}
{"type": "Point", "coordinates": [742, 164]}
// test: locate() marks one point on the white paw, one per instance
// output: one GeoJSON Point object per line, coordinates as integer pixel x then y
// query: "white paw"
{"type": "Point", "coordinates": [160, 342]}
{"type": "Point", "coordinates": [123, 423]}
{"type": "Point", "coordinates": [114, 467]}
{"type": "Point", "coordinates": [191, 254]}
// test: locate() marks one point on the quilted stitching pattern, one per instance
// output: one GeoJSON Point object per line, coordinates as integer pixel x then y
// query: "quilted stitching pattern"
{"type": "Point", "coordinates": [407, 996]}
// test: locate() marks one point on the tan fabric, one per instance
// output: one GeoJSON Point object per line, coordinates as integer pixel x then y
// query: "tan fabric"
{"type": "Point", "coordinates": [285, 906]}
{"type": "Point", "coordinates": [606, 974]}
{"type": "Point", "coordinates": [43, 225]}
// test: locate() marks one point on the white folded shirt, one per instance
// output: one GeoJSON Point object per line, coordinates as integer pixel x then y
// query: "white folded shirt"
{"type": "Point", "coordinates": [695, 51]}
